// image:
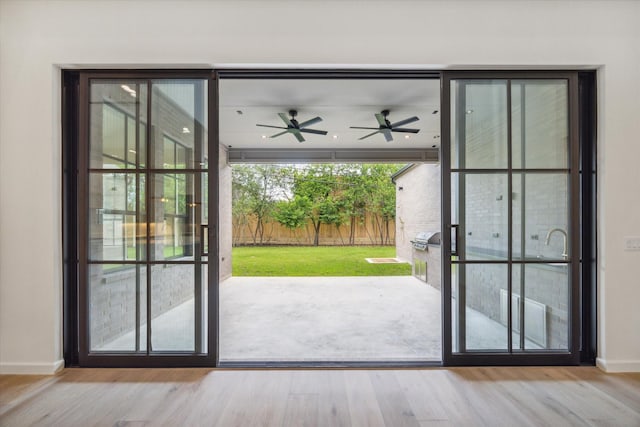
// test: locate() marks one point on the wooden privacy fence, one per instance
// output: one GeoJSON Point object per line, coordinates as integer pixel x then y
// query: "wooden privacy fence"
{"type": "Point", "coordinates": [370, 231]}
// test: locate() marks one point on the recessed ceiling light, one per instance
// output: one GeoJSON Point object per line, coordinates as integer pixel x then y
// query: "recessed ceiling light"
{"type": "Point", "coordinates": [132, 151]}
{"type": "Point", "coordinates": [335, 136]}
{"type": "Point", "coordinates": [186, 130]}
{"type": "Point", "coordinates": [406, 137]}
{"type": "Point", "coordinates": [264, 136]}
{"type": "Point", "coordinates": [469, 111]}
{"type": "Point", "coordinates": [128, 90]}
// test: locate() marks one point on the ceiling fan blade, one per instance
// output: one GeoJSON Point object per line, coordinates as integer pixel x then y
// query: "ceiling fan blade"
{"type": "Point", "coordinates": [360, 127]}
{"type": "Point", "coordinates": [285, 119]}
{"type": "Point", "coordinates": [405, 121]}
{"type": "Point", "coordinates": [406, 130]}
{"type": "Point", "coordinates": [317, 132]}
{"type": "Point", "coordinates": [310, 122]}
{"type": "Point", "coordinates": [381, 120]}
{"type": "Point", "coordinates": [298, 135]}
{"type": "Point", "coordinates": [387, 135]}
{"type": "Point", "coordinates": [279, 134]}
{"type": "Point", "coordinates": [367, 136]}
{"type": "Point", "coordinates": [268, 126]}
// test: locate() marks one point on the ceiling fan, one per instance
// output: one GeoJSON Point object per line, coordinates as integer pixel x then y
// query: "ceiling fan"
{"type": "Point", "coordinates": [386, 127]}
{"type": "Point", "coordinates": [294, 127]}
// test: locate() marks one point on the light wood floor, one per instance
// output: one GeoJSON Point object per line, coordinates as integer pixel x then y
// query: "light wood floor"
{"type": "Point", "coordinates": [412, 397]}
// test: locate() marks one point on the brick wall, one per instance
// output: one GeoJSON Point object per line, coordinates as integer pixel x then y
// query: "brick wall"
{"type": "Point", "coordinates": [225, 219]}
{"type": "Point", "coordinates": [418, 209]}
{"type": "Point", "coordinates": [113, 297]}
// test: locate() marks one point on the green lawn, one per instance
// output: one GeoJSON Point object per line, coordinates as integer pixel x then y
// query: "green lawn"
{"type": "Point", "coordinates": [315, 261]}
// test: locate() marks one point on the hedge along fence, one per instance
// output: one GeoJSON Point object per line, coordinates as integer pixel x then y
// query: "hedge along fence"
{"type": "Point", "coordinates": [367, 231]}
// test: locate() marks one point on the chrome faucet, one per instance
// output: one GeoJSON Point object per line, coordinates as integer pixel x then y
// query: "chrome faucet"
{"type": "Point", "coordinates": [565, 255]}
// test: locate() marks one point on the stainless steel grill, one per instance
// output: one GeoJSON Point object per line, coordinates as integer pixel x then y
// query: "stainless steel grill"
{"type": "Point", "coordinates": [424, 239]}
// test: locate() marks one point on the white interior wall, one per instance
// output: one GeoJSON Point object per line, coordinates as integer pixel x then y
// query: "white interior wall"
{"type": "Point", "coordinates": [36, 37]}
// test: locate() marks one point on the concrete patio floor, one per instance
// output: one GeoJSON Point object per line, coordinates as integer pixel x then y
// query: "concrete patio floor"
{"type": "Point", "coordinates": [328, 319]}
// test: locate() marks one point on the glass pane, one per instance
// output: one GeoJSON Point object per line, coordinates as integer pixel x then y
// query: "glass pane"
{"type": "Point", "coordinates": [169, 153]}
{"type": "Point", "coordinates": [173, 306]}
{"type": "Point", "coordinates": [541, 203]}
{"type": "Point", "coordinates": [482, 287]}
{"type": "Point", "coordinates": [117, 227]}
{"type": "Point", "coordinates": [517, 305]}
{"type": "Point", "coordinates": [481, 205]}
{"type": "Point", "coordinates": [479, 124]}
{"type": "Point", "coordinates": [179, 113]}
{"type": "Point", "coordinates": [540, 123]}
{"type": "Point", "coordinates": [455, 307]}
{"type": "Point", "coordinates": [205, 198]}
{"type": "Point", "coordinates": [543, 308]}
{"type": "Point", "coordinates": [179, 202]}
{"type": "Point", "coordinates": [204, 309]}
{"type": "Point", "coordinates": [116, 111]}
{"type": "Point", "coordinates": [117, 303]}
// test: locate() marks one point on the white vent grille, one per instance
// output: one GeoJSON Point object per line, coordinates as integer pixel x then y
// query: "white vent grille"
{"type": "Point", "coordinates": [535, 317]}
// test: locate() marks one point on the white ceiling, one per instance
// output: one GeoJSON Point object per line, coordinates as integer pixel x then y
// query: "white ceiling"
{"type": "Point", "coordinates": [340, 102]}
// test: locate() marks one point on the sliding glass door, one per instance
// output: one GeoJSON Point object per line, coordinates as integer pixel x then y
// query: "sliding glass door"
{"type": "Point", "coordinates": [518, 254]}
{"type": "Point", "coordinates": [144, 212]}
{"type": "Point", "coordinates": [511, 218]}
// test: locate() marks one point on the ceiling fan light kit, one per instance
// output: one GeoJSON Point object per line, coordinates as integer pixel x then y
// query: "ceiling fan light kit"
{"type": "Point", "coordinates": [385, 127]}
{"type": "Point", "coordinates": [295, 128]}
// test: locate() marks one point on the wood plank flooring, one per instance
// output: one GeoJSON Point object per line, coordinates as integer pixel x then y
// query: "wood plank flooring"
{"type": "Point", "coordinates": [536, 396]}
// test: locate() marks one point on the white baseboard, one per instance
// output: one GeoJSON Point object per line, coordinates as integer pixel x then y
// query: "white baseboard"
{"type": "Point", "coordinates": [613, 366]}
{"type": "Point", "coordinates": [31, 368]}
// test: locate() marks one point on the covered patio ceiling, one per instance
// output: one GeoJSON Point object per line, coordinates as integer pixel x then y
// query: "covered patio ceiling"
{"type": "Point", "coordinates": [341, 103]}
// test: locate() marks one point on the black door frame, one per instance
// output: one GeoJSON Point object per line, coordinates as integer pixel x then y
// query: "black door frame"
{"type": "Point", "coordinates": [79, 228]}
{"type": "Point", "coordinates": [75, 126]}
{"type": "Point", "coordinates": [582, 340]}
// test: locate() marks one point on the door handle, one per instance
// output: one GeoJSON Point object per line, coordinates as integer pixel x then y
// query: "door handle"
{"type": "Point", "coordinates": [204, 239]}
{"type": "Point", "coordinates": [454, 239]}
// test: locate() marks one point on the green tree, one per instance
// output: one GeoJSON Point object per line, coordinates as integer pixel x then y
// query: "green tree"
{"type": "Point", "coordinates": [380, 197]}
{"type": "Point", "coordinates": [256, 188]}
{"type": "Point", "coordinates": [318, 194]}
{"type": "Point", "coordinates": [240, 205]}
{"type": "Point", "coordinates": [316, 198]}
{"type": "Point", "coordinates": [332, 211]}
{"type": "Point", "coordinates": [293, 213]}
{"type": "Point", "coordinates": [354, 197]}
{"type": "Point", "coordinates": [314, 184]}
